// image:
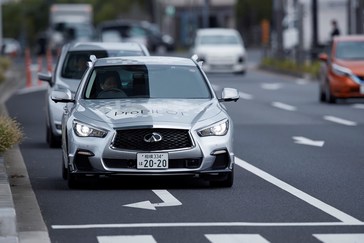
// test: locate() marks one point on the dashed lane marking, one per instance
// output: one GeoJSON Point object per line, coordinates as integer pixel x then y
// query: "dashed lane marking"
{"type": "Point", "coordinates": [284, 106]}
{"type": "Point", "coordinates": [340, 121]}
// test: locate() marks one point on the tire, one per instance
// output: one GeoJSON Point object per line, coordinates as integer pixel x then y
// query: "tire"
{"type": "Point", "coordinates": [330, 98]}
{"type": "Point", "coordinates": [73, 180]}
{"type": "Point", "coordinates": [52, 140]}
{"type": "Point", "coordinates": [322, 95]}
{"type": "Point", "coordinates": [64, 171]}
{"type": "Point", "coordinates": [228, 181]}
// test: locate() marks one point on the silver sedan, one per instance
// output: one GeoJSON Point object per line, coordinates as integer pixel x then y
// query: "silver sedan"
{"type": "Point", "coordinates": [147, 116]}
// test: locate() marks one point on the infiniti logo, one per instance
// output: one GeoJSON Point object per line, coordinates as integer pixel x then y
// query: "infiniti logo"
{"type": "Point", "coordinates": [153, 137]}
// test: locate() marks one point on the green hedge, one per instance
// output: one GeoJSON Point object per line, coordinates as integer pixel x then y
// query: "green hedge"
{"type": "Point", "coordinates": [10, 133]}
{"type": "Point", "coordinates": [292, 67]}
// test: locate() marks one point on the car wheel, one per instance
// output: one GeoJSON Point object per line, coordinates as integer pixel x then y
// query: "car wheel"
{"type": "Point", "coordinates": [64, 170]}
{"type": "Point", "coordinates": [322, 95]}
{"type": "Point", "coordinates": [73, 180]}
{"type": "Point", "coordinates": [330, 98]}
{"type": "Point", "coordinates": [228, 181]}
{"type": "Point", "coordinates": [52, 140]}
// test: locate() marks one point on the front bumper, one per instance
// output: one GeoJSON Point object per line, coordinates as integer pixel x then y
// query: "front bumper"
{"type": "Point", "coordinates": [209, 156]}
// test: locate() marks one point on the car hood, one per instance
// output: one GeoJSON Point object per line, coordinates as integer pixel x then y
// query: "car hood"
{"type": "Point", "coordinates": [356, 66]}
{"type": "Point", "coordinates": [220, 49]}
{"type": "Point", "coordinates": [141, 112]}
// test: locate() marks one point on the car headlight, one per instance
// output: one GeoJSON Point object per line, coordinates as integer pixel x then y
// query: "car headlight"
{"type": "Point", "coordinates": [345, 72]}
{"type": "Point", "coordinates": [84, 130]}
{"type": "Point", "coordinates": [217, 129]}
{"type": "Point", "coordinates": [341, 71]}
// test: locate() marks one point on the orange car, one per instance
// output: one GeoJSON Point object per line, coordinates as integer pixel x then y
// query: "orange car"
{"type": "Point", "coordinates": [342, 70]}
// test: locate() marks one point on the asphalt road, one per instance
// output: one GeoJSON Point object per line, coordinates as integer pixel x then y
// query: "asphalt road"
{"type": "Point", "coordinates": [298, 178]}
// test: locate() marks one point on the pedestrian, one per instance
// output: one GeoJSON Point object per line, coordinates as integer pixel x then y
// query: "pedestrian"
{"type": "Point", "coordinates": [335, 29]}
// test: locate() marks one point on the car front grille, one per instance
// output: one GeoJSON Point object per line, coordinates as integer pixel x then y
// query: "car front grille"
{"type": "Point", "coordinates": [134, 139]}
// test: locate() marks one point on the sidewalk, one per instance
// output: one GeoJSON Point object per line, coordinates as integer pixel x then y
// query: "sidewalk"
{"type": "Point", "coordinates": [20, 216]}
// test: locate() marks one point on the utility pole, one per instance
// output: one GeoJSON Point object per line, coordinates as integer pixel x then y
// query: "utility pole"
{"type": "Point", "coordinates": [278, 17]}
{"type": "Point", "coordinates": [1, 28]}
{"type": "Point", "coordinates": [206, 14]}
{"type": "Point", "coordinates": [359, 17]}
{"type": "Point", "coordinates": [314, 26]}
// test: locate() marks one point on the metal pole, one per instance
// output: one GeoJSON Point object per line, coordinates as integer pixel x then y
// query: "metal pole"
{"type": "Point", "coordinates": [278, 13]}
{"type": "Point", "coordinates": [1, 28]}
{"type": "Point", "coordinates": [206, 14]}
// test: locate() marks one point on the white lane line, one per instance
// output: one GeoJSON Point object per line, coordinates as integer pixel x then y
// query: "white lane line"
{"type": "Point", "coordinates": [283, 106]}
{"type": "Point", "coordinates": [235, 238]}
{"type": "Point", "coordinates": [340, 238]}
{"type": "Point", "coordinates": [340, 120]}
{"type": "Point", "coordinates": [358, 106]}
{"type": "Point", "coordinates": [126, 239]}
{"type": "Point", "coordinates": [302, 81]}
{"type": "Point", "coordinates": [271, 86]}
{"type": "Point", "coordinates": [204, 224]}
{"type": "Point", "coordinates": [298, 193]}
{"type": "Point", "coordinates": [245, 96]}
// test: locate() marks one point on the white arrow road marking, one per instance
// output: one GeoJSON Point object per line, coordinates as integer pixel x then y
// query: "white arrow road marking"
{"type": "Point", "coordinates": [307, 141]}
{"type": "Point", "coordinates": [284, 106]}
{"type": "Point", "coordinates": [167, 198]}
{"type": "Point", "coordinates": [340, 120]}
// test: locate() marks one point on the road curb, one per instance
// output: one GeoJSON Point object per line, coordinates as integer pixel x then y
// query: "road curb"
{"type": "Point", "coordinates": [8, 227]}
{"type": "Point", "coordinates": [20, 216]}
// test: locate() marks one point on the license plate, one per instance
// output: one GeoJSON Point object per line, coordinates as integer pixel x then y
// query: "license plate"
{"type": "Point", "coordinates": [362, 89]}
{"type": "Point", "coordinates": [152, 161]}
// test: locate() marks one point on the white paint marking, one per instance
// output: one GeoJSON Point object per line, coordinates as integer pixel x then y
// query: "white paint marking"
{"type": "Point", "coordinates": [126, 239]}
{"type": "Point", "coordinates": [245, 96]}
{"type": "Point", "coordinates": [167, 198]}
{"type": "Point", "coordinates": [307, 141]}
{"type": "Point", "coordinates": [302, 81]}
{"type": "Point", "coordinates": [235, 238]}
{"type": "Point", "coordinates": [340, 238]}
{"type": "Point", "coordinates": [284, 106]}
{"type": "Point", "coordinates": [340, 120]}
{"type": "Point", "coordinates": [298, 193]}
{"type": "Point", "coordinates": [358, 106]}
{"type": "Point", "coordinates": [204, 224]}
{"type": "Point", "coordinates": [271, 86]}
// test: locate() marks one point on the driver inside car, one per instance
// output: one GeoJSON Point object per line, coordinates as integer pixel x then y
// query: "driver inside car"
{"type": "Point", "coordinates": [110, 86]}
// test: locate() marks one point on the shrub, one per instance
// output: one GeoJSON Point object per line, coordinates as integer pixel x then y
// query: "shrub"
{"type": "Point", "coordinates": [4, 65]}
{"type": "Point", "coordinates": [10, 133]}
{"type": "Point", "coordinates": [290, 66]}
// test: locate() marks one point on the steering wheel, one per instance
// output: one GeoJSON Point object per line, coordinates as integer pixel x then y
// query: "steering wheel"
{"type": "Point", "coordinates": [111, 93]}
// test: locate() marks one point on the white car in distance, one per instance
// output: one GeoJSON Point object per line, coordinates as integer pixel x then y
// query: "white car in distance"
{"type": "Point", "coordinates": [220, 50]}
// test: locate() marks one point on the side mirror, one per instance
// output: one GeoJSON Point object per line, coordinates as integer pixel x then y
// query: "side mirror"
{"type": "Point", "coordinates": [229, 94]}
{"type": "Point", "coordinates": [64, 96]}
{"type": "Point", "coordinates": [47, 77]}
{"type": "Point", "coordinates": [323, 57]}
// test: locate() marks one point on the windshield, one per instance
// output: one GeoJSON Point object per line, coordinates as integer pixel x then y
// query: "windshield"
{"type": "Point", "coordinates": [350, 50]}
{"type": "Point", "coordinates": [75, 63]}
{"type": "Point", "coordinates": [147, 81]}
{"type": "Point", "coordinates": [219, 40]}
